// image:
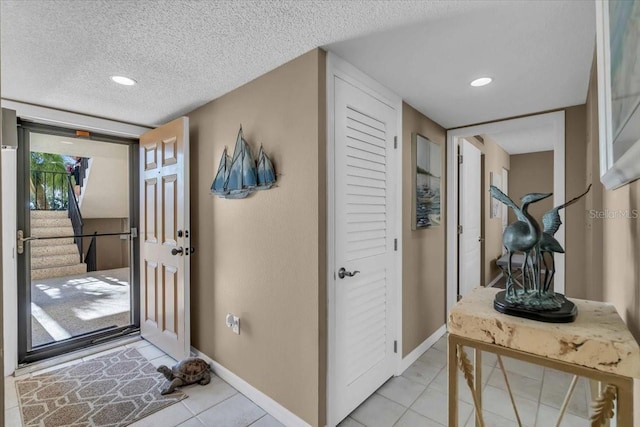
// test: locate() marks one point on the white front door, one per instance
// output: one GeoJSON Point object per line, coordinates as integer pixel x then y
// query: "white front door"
{"type": "Point", "coordinates": [164, 238]}
{"type": "Point", "coordinates": [470, 192]}
{"type": "Point", "coordinates": [365, 201]}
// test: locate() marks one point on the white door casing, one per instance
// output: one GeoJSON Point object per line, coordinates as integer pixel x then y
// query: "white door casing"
{"type": "Point", "coordinates": [164, 227]}
{"type": "Point", "coordinates": [58, 118]}
{"type": "Point", "coordinates": [470, 191]}
{"type": "Point", "coordinates": [363, 225]}
{"type": "Point", "coordinates": [9, 266]}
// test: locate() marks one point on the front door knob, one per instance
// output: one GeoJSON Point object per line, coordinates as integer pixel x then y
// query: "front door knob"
{"type": "Point", "coordinates": [177, 251]}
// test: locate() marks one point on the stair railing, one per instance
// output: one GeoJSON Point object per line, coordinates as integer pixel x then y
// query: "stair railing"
{"type": "Point", "coordinates": [48, 191]}
{"type": "Point", "coordinates": [92, 254]}
{"type": "Point", "coordinates": [75, 216]}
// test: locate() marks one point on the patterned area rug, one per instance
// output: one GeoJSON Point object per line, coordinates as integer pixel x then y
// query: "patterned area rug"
{"type": "Point", "coordinates": [112, 390]}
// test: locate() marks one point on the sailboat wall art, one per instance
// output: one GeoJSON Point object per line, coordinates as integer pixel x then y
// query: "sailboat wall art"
{"type": "Point", "coordinates": [239, 175]}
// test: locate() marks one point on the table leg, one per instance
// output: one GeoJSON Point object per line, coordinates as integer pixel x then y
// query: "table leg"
{"type": "Point", "coordinates": [625, 403]}
{"type": "Point", "coordinates": [452, 377]}
{"type": "Point", "coordinates": [478, 382]}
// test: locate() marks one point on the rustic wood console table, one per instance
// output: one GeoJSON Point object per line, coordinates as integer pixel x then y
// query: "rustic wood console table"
{"type": "Point", "coordinates": [597, 345]}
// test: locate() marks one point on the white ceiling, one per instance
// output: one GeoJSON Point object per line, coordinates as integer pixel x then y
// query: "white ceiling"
{"type": "Point", "coordinates": [526, 140]}
{"type": "Point", "coordinates": [185, 53]}
{"type": "Point", "coordinates": [46, 143]}
{"type": "Point", "coordinates": [538, 53]}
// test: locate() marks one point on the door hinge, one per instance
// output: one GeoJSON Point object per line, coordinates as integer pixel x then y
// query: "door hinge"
{"type": "Point", "coordinates": [395, 244]}
{"type": "Point", "coordinates": [395, 142]}
{"type": "Point", "coordinates": [395, 346]}
{"type": "Point", "coordinates": [459, 159]}
{"type": "Point", "coordinates": [459, 229]}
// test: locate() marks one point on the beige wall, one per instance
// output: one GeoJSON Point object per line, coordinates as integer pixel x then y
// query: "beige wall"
{"type": "Point", "coordinates": [495, 158]}
{"type": "Point", "coordinates": [575, 215]}
{"type": "Point", "coordinates": [423, 251]}
{"type": "Point", "coordinates": [531, 173]}
{"type": "Point", "coordinates": [611, 260]}
{"type": "Point", "coordinates": [594, 228]}
{"type": "Point", "coordinates": [263, 257]}
{"type": "Point", "coordinates": [621, 250]}
{"type": "Point", "coordinates": [113, 252]}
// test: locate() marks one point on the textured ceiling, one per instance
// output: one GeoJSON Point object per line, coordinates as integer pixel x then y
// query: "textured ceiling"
{"type": "Point", "coordinates": [182, 53]}
{"type": "Point", "coordinates": [185, 53]}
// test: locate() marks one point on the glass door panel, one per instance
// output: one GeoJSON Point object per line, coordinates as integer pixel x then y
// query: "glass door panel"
{"type": "Point", "coordinates": [84, 296]}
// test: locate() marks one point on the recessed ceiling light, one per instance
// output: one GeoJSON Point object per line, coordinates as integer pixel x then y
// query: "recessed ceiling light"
{"type": "Point", "coordinates": [123, 80]}
{"type": "Point", "coordinates": [482, 81]}
{"type": "Point", "coordinates": [66, 142]}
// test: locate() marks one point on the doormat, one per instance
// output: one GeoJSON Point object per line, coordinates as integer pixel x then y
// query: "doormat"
{"type": "Point", "coordinates": [112, 390]}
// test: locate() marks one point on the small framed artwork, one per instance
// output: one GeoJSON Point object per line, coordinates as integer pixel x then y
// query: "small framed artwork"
{"type": "Point", "coordinates": [426, 158]}
{"type": "Point", "coordinates": [496, 206]}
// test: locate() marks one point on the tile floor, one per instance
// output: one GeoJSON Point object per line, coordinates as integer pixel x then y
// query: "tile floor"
{"type": "Point", "coordinates": [418, 398]}
{"type": "Point", "coordinates": [216, 404]}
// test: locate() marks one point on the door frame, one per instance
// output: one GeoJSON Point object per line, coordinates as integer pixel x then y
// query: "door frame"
{"type": "Point", "coordinates": [55, 348]}
{"type": "Point", "coordinates": [339, 68]}
{"type": "Point", "coordinates": [557, 121]}
{"type": "Point", "coordinates": [64, 119]}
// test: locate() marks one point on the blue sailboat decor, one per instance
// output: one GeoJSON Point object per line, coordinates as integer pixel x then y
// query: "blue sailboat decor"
{"type": "Point", "coordinates": [239, 175]}
{"type": "Point", "coordinates": [217, 187]}
{"type": "Point", "coordinates": [266, 174]}
{"type": "Point", "coordinates": [242, 175]}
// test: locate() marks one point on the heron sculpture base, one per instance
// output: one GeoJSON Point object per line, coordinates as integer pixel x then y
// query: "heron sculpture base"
{"type": "Point", "coordinates": [565, 313]}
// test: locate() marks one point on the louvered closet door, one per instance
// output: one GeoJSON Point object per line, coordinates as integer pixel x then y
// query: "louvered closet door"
{"type": "Point", "coordinates": [364, 133]}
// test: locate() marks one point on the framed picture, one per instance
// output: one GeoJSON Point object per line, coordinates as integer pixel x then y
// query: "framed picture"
{"type": "Point", "coordinates": [426, 158]}
{"type": "Point", "coordinates": [496, 206]}
{"type": "Point", "coordinates": [618, 52]}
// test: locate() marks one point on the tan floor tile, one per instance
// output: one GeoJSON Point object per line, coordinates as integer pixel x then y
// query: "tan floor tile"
{"type": "Point", "coordinates": [237, 411]}
{"type": "Point", "coordinates": [170, 416]}
{"type": "Point", "coordinates": [378, 411]}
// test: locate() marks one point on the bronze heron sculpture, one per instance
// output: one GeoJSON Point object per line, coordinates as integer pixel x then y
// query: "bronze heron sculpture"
{"type": "Point", "coordinates": [523, 235]}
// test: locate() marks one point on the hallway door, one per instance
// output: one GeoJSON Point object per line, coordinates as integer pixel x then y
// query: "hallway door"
{"type": "Point", "coordinates": [470, 192]}
{"type": "Point", "coordinates": [164, 238]}
{"type": "Point", "coordinates": [365, 257]}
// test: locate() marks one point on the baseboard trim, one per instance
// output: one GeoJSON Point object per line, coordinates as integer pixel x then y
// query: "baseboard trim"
{"type": "Point", "coordinates": [272, 407]}
{"type": "Point", "coordinates": [419, 350]}
{"type": "Point", "coordinates": [494, 281]}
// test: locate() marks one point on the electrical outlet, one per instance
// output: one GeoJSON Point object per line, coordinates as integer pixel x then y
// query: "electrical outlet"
{"type": "Point", "coordinates": [233, 322]}
{"type": "Point", "coordinates": [236, 325]}
{"type": "Point", "coordinates": [229, 320]}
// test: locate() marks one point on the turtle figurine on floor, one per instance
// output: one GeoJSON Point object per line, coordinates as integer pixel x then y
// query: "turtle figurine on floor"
{"type": "Point", "coordinates": [188, 371]}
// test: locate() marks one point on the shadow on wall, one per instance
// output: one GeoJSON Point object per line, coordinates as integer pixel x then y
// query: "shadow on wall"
{"type": "Point", "coordinates": [633, 311]}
